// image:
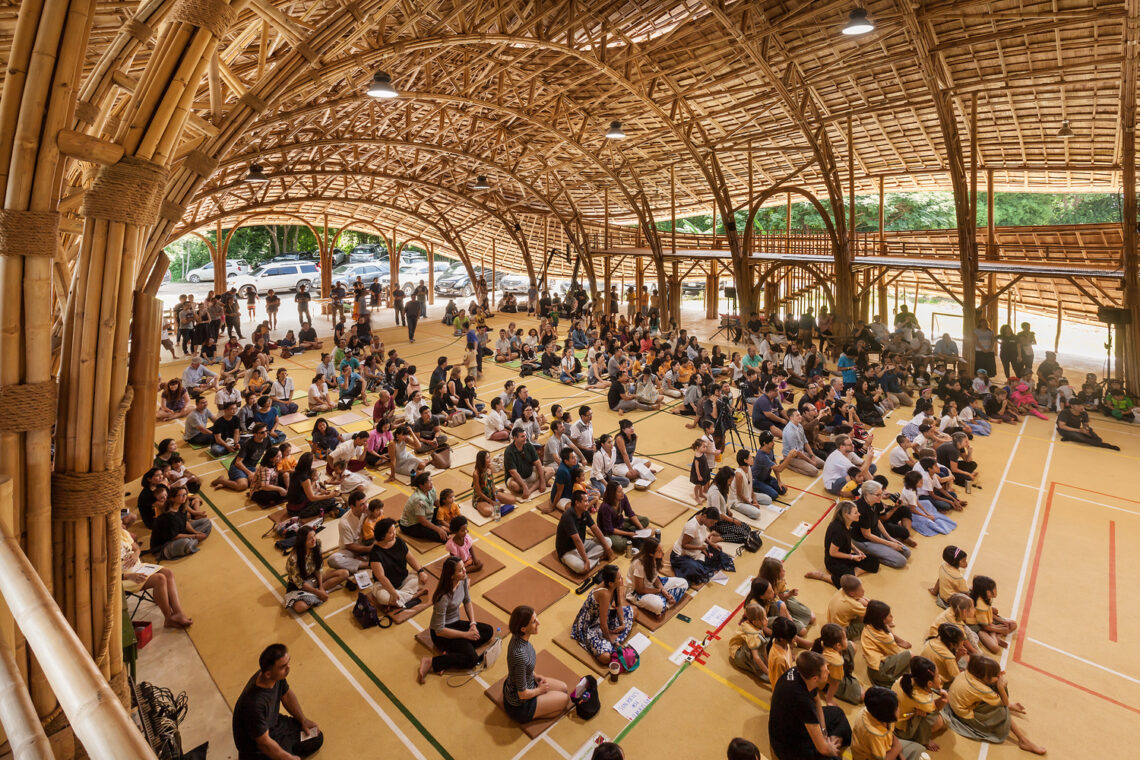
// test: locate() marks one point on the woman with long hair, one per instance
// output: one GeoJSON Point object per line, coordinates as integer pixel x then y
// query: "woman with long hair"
{"type": "Point", "coordinates": [269, 486]}
{"type": "Point", "coordinates": [840, 556]}
{"type": "Point", "coordinates": [605, 620]}
{"type": "Point", "coordinates": [173, 402]}
{"type": "Point", "coordinates": [484, 493]}
{"type": "Point", "coordinates": [308, 585]}
{"type": "Point", "coordinates": [649, 589]}
{"type": "Point", "coordinates": [160, 582]}
{"type": "Point", "coordinates": [528, 696]}
{"type": "Point", "coordinates": [458, 640]}
{"type": "Point", "coordinates": [304, 498]}
{"type": "Point", "coordinates": [921, 699]}
{"type": "Point", "coordinates": [729, 528]}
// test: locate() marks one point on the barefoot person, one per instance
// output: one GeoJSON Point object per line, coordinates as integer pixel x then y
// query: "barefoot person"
{"type": "Point", "coordinates": [455, 638]}
{"type": "Point", "coordinates": [527, 695]}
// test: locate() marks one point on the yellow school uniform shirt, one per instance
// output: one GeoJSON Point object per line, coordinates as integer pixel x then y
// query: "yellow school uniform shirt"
{"type": "Point", "coordinates": [947, 616]}
{"type": "Point", "coordinates": [914, 706]}
{"type": "Point", "coordinates": [951, 581]}
{"type": "Point", "coordinates": [967, 692]}
{"type": "Point", "coordinates": [944, 660]}
{"type": "Point", "coordinates": [983, 613]}
{"type": "Point", "coordinates": [748, 636]}
{"type": "Point", "coordinates": [834, 664]}
{"type": "Point", "coordinates": [445, 513]}
{"type": "Point", "coordinates": [779, 662]}
{"type": "Point", "coordinates": [877, 645]}
{"type": "Point", "coordinates": [870, 739]}
{"type": "Point", "coordinates": [848, 489]}
{"type": "Point", "coordinates": [842, 609]}
{"type": "Point", "coordinates": [684, 372]}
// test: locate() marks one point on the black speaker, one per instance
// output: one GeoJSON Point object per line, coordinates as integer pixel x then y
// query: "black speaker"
{"type": "Point", "coordinates": [730, 292]}
{"type": "Point", "coordinates": [1113, 316]}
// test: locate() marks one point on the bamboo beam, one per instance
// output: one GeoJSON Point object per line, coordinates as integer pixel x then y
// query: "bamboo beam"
{"type": "Point", "coordinates": [1131, 263]}
{"type": "Point", "coordinates": [26, 737]}
{"type": "Point", "coordinates": [87, 148]}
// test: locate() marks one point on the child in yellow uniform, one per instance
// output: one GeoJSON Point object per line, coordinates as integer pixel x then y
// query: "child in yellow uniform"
{"type": "Point", "coordinates": [871, 731]}
{"type": "Point", "coordinates": [847, 606]}
{"type": "Point", "coordinates": [991, 627]}
{"type": "Point", "coordinates": [945, 651]}
{"type": "Point", "coordinates": [780, 659]}
{"type": "Point", "coordinates": [951, 576]}
{"type": "Point", "coordinates": [772, 570]}
{"type": "Point", "coordinates": [839, 653]}
{"type": "Point", "coordinates": [959, 613]}
{"type": "Point", "coordinates": [887, 655]}
{"type": "Point", "coordinates": [448, 509]}
{"type": "Point", "coordinates": [374, 514]}
{"type": "Point", "coordinates": [921, 699]}
{"type": "Point", "coordinates": [746, 648]}
{"type": "Point", "coordinates": [979, 706]}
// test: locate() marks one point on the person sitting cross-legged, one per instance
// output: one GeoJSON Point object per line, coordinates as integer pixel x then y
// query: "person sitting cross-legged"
{"type": "Point", "coordinates": [1073, 425]}
{"type": "Point", "coordinates": [577, 552]}
{"type": "Point", "coordinates": [259, 728]}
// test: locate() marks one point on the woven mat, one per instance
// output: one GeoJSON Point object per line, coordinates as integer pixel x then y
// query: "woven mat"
{"type": "Point", "coordinates": [344, 418]}
{"type": "Point", "coordinates": [527, 586]}
{"type": "Point", "coordinates": [467, 430]}
{"type": "Point", "coordinates": [482, 615]}
{"type": "Point", "coordinates": [679, 488]}
{"type": "Point", "coordinates": [525, 531]}
{"type": "Point", "coordinates": [767, 517]}
{"type": "Point", "coordinates": [652, 622]}
{"type": "Point", "coordinates": [490, 567]}
{"type": "Point", "coordinates": [547, 666]}
{"type": "Point", "coordinates": [292, 419]}
{"type": "Point", "coordinates": [487, 445]}
{"type": "Point", "coordinates": [660, 511]}
{"type": "Point", "coordinates": [552, 563]}
{"type": "Point", "coordinates": [463, 454]}
{"type": "Point", "coordinates": [567, 644]}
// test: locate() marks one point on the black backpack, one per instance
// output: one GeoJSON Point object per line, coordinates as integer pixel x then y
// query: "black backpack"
{"type": "Point", "coordinates": [588, 703]}
{"type": "Point", "coordinates": [754, 541]}
{"type": "Point", "coordinates": [365, 611]}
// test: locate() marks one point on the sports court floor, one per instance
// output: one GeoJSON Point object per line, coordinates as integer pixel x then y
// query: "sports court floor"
{"type": "Point", "coordinates": [1052, 525]}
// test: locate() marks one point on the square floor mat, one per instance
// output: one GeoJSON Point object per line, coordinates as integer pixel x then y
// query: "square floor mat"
{"type": "Point", "coordinates": [525, 531]}
{"type": "Point", "coordinates": [528, 586]}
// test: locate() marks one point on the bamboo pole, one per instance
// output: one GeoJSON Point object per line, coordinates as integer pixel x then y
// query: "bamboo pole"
{"type": "Point", "coordinates": [26, 737]}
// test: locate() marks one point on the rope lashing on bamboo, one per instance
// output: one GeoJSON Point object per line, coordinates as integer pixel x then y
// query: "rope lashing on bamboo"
{"type": "Point", "coordinates": [200, 163]}
{"type": "Point", "coordinates": [28, 233]}
{"type": "Point", "coordinates": [213, 15]}
{"type": "Point", "coordinates": [25, 407]}
{"type": "Point", "coordinates": [354, 9]}
{"type": "Point", "coordinates": [139, 30]}
{"type": "Point", "coordinates": [86, 112]}
{"type": "Point", "coordinates": [308, 53]}
{"type": "Point", "coordinates": [130, 191]}
{"type": "Point", "coordinates": [253, 102]}
{"type": "Point", "coordinates": [86, 495]}
{"type": "Point", "coordinates": [172, 212]}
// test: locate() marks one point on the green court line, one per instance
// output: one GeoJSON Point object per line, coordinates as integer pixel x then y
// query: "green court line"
{"type": "Point", "coordinates": [336, 638]}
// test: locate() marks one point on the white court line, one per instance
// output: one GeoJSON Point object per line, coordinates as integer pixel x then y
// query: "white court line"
{"type": "Point", "coordinates": [1080, 498]}
{"type": "Point", "coordinates": [1083, 660]}
{"type": "Point", "coordinates": [336, 663]}
{"type": "Point", "coordinates": [994, 502]}
{"type": "Point", "coordinates": [339, 609]}
{"type": "Point", "coordinates": [557, 747]}
{"type": "Point", "coordinates": [984, 751]}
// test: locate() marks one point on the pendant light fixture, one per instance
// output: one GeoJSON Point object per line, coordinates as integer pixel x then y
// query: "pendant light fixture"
{"type": "Point", "coordinates": [1065, 131]}
{"type": "Point", "coordinates": [256, 175]}
{"type": "Point", "coordinates": [381, 87]}
{"type": "Point", "coordinates": [615, 132]}
{"type": "Point", "coordinates": [481, 183]}
{"type": "Point", "coordinates": [858, 23]}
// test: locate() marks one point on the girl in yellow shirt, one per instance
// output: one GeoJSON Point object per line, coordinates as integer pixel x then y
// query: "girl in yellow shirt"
{"type": "Point", "coordinates": [746, 648]}
{"type": "Point", "coordinates": [951, 576]}
{"type": "Point", "coordinates": [991, 627]}
{"type": "Point", "coordinates": [780, 659]}
{"type": "Point", "coordinates": [871, 734]}
{"type": "Point", "coordinates": [887, 655]}
{"type": "Point", "coordinates": [839, 653]}
{"type": "Point", "coordinates": [979, 706]}
{"type": "Point", "coordinates": [772, 570]}
{"type": "Point", "coordinates": [946, 650]}
{"type": "Point", "coordinates": [959, 613]}
{"type": "Point", "coordinates": [921, 699]}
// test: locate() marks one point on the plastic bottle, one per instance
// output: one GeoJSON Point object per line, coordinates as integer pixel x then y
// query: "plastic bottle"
{"type": "Point", "coordinates": [497, 511]}
{"type": "Point", "coordinates": [499, 633]}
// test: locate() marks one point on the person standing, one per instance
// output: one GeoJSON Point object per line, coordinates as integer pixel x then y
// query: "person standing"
{"type": "Point", "coordinates": [260, 730]}
{"type": "Point", "coordinates": [422, 297]}
{"type": "Point", "coordinates": [302, 300]}
{"type": "Point", "coordinates": [412, 317]}
{"type": "Point", "coordinates": [232, 312]}
{"type": "Point", "coordinates": [398, 302]}
{"type": "Point", "coordinates": [531, 298]}
{"type": "Point", "coordinates": [985, 349]}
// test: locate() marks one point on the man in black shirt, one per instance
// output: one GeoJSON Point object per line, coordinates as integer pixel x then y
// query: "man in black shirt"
{"type": "Point", "coordinates": [1073, 425]}
{"type": "Point", "coordinates": [249, 455]}
{"type": "Point", "coordinates": [302, 300]}
{"type": "Point", "coordinates": [307, 337]}
{"type": "Point", "coordinates": [800, 727]}
{"type": "Point", "coordinates": [412, 318]}
{"type": "Point", "coordinates": [955, 456]}
{"type": "Point", "coordinates": [577, 552]}
{"type": "Point", "coordinates": [227, 431]}
{"type": "Point", "coordinates": [260, 730]}
{"type": "Point", "coordinates": [398, 302]}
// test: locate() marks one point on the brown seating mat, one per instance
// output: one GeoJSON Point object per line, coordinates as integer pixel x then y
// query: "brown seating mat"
{"type": "Point", "coordinates": [547, 666]}
{"type": "Point", "coordinates": [567, 643]}
{"type": "Point", "coordinates": [394, 508]}
{"type": "Point", "coordinates": [648, 620]}
{"type": "Point", "coordinates": [526, 530]}
{"type": "Point", "coordinates": [527, 586]}
{"type": "Point", "coordinates": [423, 638]}
{"type": "Point", "coordinates": [490, 567]}
{"type": "Point", "coordinates": [551, 562]}
{"type": "Point", "coordinates": [659, 510]}
{"type": "Point", "coordinates": [401, 615]}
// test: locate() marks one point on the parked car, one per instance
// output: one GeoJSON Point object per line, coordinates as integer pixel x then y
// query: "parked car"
{"type": "Point", "coordinates": [234, 267]}
{"type": "Point", "coordinates": [458, 283]}
{"type": "Point", "coordinates": [367, 252]}
{"type": "Point", "coordinates": [518, 284]}
{"type": "Point", "coordinates": [347, 273]}
{"type": "Point", "coordinates": [285, 275]}
{"type": "Point", "coordinates": [293, 256]}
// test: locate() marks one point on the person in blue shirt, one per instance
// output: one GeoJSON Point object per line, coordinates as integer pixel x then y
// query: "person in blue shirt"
{"type": "Point", "coordinates": [846, 366]}
{"type": "Point", "coordinates": [767, 413]}
{"type": "Point", "coordinates": [765, 471]}
{"type": "Point", "coordinates": [564, 476]}
{"type": "Point", "coordinates": [267, 414]}
{"type": "Point", "coordinates": [349, 384]}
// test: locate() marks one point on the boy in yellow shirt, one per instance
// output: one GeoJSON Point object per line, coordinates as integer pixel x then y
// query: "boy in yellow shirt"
{"type": "Point", "coordinates": [847, 606]}
{"type": "Point", "coordinates": [872, 731]}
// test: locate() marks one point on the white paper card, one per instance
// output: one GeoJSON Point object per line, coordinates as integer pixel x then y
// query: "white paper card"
{"type": "Point", "coordinates": [643, 533]}
{"type": "Point", "coordinates": [716, 615]}
{"type": "Point", "coordinates": [679, 656]}
{"type": "Point", "coordinates": [634, 701]}
{"type": "Point", "coordinates": [801, 530]}
{"type": "Point", "coordinates": [363, 579]}
{"type": "Point", "coordinates": [745, 587]}
{"type": "Point", "coordinates": [640, 642]}
{"type": "Point", "coordinates": [720, 578]}
{"type": "Point", "coordinates": [777, 553]}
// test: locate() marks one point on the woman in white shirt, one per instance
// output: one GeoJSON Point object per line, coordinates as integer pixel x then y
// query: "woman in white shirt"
{"type": "Point", "coordinates": [570, 367]}
{"type": "Point", "coordinates": [736, 367]}
{"type": "Point", "coordinates": [495, 422]}
{"type": "Point", "coordinates": [319, 400]}
{"type": "Point", "coordinates": [602, 465]}
{"type": "Point", "coordinates": [412, 408]}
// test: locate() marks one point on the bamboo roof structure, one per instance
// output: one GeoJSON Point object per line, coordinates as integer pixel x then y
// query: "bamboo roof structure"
{"type": "Point", "coordinates": [719, 101]}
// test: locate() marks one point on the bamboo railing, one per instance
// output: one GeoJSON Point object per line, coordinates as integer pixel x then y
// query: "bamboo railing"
{"type": "Point", "coordinates": [98, 718]}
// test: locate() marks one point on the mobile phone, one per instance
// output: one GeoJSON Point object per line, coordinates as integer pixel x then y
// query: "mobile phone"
{"type": "Point", "coordinates": [684, 618]}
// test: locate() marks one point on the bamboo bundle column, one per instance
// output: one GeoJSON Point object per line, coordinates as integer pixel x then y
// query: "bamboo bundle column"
{"type": "Point", "coordinates": [43, 72]}
{"type": "Point", "coordinates": [121, 206]}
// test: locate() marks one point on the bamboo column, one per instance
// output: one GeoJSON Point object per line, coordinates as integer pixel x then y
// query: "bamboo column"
{"type": "Point", "coordinates": [882, 291]}
{"type": "Point", "coordinates": [43, 72]}
{"type": "Point", "coordinates": [124, 201]}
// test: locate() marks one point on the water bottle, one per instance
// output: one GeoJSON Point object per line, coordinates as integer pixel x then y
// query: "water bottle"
{"type": "Point", "coordinates": [497, 511]}
{"type": "Point", "coordinates": [499, 633]}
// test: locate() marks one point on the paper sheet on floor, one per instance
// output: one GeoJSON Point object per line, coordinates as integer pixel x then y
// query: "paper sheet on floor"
{"type": "Point", "coordinates": [801, 530]}
{"type": "Point", "coordinates": [720, 578]}
{"type": "Point", "coordinates": [777, 552]}
{"type": "Point", "coordinates": [634, 701]}
{"type": "Point", "coordinates": [639, 641]}
{"type": "Point", "coordinates": [679, 655]}
{"type": "Point", "coordinates": [745, 587]}
{"type": "Point", "coordinates": [716, 615]}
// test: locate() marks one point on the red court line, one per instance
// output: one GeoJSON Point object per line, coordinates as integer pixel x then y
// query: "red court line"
{"type": "Point", "coordinates": [813, 493]}
{"type": "Point", "coordinates": [1112, 580]}
{"type": "Point", "coordinates": [1077, 686]}
{"type": "Point", "coordinates": [1033, 575]}
{"type": "Point", "coordinates": [1098, 493]}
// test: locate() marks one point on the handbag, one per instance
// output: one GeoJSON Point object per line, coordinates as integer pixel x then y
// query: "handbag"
{"type": "Point", "coordinates": [366, 614]}
{"type": "Point", "coordinates": [493, 653]}
{"type": "Point", "coordinates": [587, 703]}
{"type": "Point", "coordinates": [754, 541]}
{"type": "Point", "coordinates": [627, 659]}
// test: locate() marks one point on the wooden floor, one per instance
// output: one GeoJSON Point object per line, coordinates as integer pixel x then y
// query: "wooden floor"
{"type": "Point", "coordinates": [1050, 526]}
